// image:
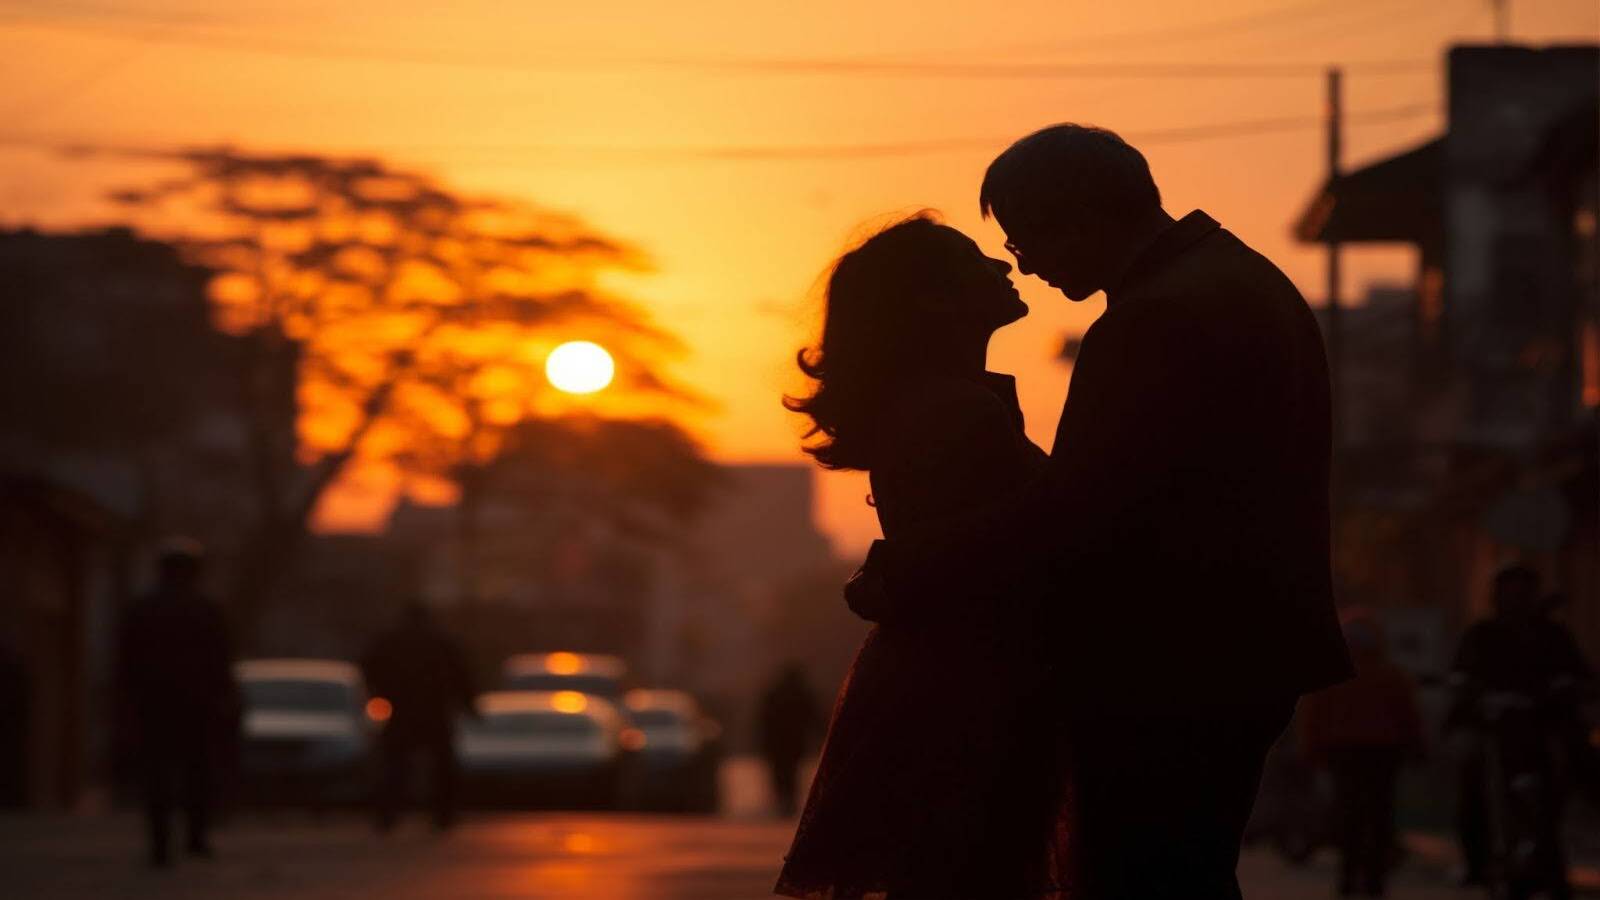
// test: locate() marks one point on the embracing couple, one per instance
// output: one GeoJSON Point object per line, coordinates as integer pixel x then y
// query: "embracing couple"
{"type": "Point", "coordinates": [1080, 658]}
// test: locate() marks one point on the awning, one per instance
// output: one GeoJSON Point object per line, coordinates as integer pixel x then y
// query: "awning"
{"type": "Point", "coordinates": [1395, 200]}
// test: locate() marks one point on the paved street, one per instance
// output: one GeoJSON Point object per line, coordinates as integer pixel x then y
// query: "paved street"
{"type": "Point", "coordinates": [534, 855]}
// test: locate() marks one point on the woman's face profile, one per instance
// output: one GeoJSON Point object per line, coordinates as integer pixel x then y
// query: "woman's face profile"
{"type": "Point", "coordinates": [981, 285]}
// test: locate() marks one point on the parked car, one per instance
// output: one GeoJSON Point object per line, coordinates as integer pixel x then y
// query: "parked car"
{"type": "Point", "coordinates": [677, 750]}
{"type": "Point", "coordinates": [543, 748]}
{"type": "Point", "coordinates": [305, 735]}
{"type": "Point", "coordinates": [597, 674]}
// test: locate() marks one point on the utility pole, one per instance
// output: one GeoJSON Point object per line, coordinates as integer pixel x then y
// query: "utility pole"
{"type": "Point", "coordinates": [1335, 335]}
{"type": "Point", "coordinates": [1502, 20]}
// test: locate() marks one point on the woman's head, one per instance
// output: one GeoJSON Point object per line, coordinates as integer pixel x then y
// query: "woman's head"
{"type": "Point", "coordinates": [914, 298]}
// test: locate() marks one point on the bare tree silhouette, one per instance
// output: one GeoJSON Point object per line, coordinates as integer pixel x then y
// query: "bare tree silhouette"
{"type": "Point", "coordinates": [416, 320]}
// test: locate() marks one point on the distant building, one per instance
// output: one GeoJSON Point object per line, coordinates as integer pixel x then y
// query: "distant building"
{"type": "Point", "coordinates": [692, 612]}
{"type": "Point", "coordinates": [757, 544]}
{"type": "Point", "coordinates": [342, 590]}
{"type": "Point", "coordinates": [1520, 206]}
{"type": "Point", "coordinates": [762, 529]}
{"type": "Point", "coordinates": [1470, 398]}
{"type": "Point", "coordinates": [114, 381]}
{"type": "Point", "coordinates": [125, 420]}
{"type": "Point", "coordinates": [63, 561]}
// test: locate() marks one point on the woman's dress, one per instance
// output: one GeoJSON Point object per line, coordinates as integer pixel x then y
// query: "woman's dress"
{"type": "Point", "coordinates": [941, 776]}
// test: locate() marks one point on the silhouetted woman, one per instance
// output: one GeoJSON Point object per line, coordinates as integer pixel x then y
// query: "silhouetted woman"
{"type": "Point", "coordinates": [939, 777]}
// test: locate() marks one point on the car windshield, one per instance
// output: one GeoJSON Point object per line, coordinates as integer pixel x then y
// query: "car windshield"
{"type": "Point", "coordinates": [529, 724]}
{"type": "Point", "coordinates": [598, 685]}
{"type": "Point", "coordinates": [657, 718]}
{"type": "Point", "coordinates": [299, 695]}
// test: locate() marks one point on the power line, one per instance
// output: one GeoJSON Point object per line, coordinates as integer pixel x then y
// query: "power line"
{"type": "Point", "coordinates": [337, 52]}
{"type": "Point", "coordinates": [28, 113]}
{"type": "Point", "coordinates": [818, 152]}
{"type": "Point", "coordinates": [1385, 15]}
{"type": "Point", "coordinates": [1177, 135]}
{"type": "Point", "coordinates": [1291, 15]}
{"type": "Point", "coordinates": [1299, 14]}
{"type": "Point", "coordinates": [984, 70]}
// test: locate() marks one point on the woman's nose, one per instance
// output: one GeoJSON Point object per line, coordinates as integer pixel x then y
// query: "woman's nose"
{"type": "Point", "coordinates": [1003, 267]}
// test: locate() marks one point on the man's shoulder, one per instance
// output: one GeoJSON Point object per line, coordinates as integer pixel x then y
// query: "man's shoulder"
{"type": "Point", "coordinates": [1231, 268]}
{"type": "Point", "coordinates": [1220, 284]}
{"type": "Point", "coordinates": [1481, 630]}
{"type": "Point", "coordinates": [201, 606]}
{"type": "Point", "coordinates": [1219, 258]}
{"type": "Point", "coordinates": [1557, 634]}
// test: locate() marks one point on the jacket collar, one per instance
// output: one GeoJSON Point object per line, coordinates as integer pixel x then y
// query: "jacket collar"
{"type": "Point", "coordinates": [1005, 387]}
{"type": "Point", "coordinates": [1176, 238]}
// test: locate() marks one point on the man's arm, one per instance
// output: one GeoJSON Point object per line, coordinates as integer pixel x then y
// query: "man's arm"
{"type": "Point", "coordinates": [221, 663]}
{"type": "Point", "coordinates": [1464, 679]}
{"type": "Point", "coordinates": [1147, 400]}
{"type": "Point", "coordinates": [461, 676]}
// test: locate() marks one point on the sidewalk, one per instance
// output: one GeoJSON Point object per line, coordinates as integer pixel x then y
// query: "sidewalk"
{"type": "Point", "coordinates": [1438, 851]}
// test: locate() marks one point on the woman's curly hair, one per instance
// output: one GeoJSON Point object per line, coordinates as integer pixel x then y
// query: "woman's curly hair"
{"type": "Point", "coordinates": [873, 293]}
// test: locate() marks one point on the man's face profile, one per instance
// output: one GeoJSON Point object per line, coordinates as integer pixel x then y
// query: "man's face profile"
{"type": "Point", "coordinates": [1053, 256]}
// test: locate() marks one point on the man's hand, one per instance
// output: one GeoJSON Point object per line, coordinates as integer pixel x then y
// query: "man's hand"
{"type": "Point", "coordinates": [867, 591]}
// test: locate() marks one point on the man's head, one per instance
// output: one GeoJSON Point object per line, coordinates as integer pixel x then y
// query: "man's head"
{"type": "Point", "coordinates": [1516, 593]}
{"type": "Point", "coordinates": [1076, 203]}
{"type": "Point", "coordinates": [179, 562]}
{"type": "Point", "coordinates": [416, 614]}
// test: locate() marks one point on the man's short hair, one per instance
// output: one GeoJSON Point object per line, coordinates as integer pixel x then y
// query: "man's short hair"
{"type": "Point", "coordinates": [1066, 172]}
{"type": "Point", "coordinates": [1517, 576]}
{"type": "Point", "coordinates": [180, 557]}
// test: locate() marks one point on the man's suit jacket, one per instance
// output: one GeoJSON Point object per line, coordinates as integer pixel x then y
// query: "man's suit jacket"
{"type": "Point", "coordinates": [1182, 538]}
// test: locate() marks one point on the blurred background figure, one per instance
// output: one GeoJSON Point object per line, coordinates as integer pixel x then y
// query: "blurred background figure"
{"type": "Point", "coordinates": [1361, 732]}
{"type": "Point", "coordinates": [1575, 737]}
{"type": "Point", "coordinates": [420, 673]}
{"type": "Point", "coordinates": [1519, 678]}
{"type": "Point", "coordinates": [788, 718]}
{"type": "Point", "coordinates": [175, 677]}
{"type": "Point", "coordinates": [13, 738]}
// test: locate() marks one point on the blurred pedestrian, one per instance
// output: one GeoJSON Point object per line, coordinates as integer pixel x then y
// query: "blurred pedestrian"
{"type": "Point", "coordinates": [177, 693]}
{"type": "Point", "coordinates": [1574, 737]}
{"type": "Point", "coordinates": [1526, 668]}
{"type": "Point", "coordinates": [787, 721]}
{"type": "Point", "coordinates": [420, 672]}
{"type": "Point", "coordinates": [1361, 732]}
{"type": "Point", "coordinates": [14, 711]}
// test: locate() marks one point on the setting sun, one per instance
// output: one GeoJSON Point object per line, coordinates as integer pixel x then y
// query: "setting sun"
{"type": "Point", "coordinates": [580, 367]}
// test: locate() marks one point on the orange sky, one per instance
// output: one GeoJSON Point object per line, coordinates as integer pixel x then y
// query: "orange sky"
{"type": "Point", "coordinates": [607, 109]}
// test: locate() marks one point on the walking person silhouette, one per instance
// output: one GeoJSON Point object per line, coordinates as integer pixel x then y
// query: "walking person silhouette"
{"type": "Point", "coordinates": [175, 677]}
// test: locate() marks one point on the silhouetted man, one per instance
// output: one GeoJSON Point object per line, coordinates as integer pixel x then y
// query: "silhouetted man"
{"type": "Point", "coordinates": [1522, 653]}
{"type": "Point", "coordinates": [1182, 531]}
{"type": "Point", "coordinates": [787, 720]}
{"type": "Point", "coordinates": [420, 671]}
{"type": "Point", "coordinates": [175, 675]}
